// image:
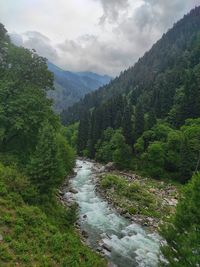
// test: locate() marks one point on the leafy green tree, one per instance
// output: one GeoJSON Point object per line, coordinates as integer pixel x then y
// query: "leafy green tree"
{"type": "Point", "coordinates": [154, 159]}
{"type": "Point", "coordinates": [104, 147]}
{"type": "Point", "coordinates": [71, 133]}
{"type": "Point", "coordinates": [182, 231]}
{"type": "Point", "coordinates": [173, 150]}
{"type": "Point", "coordinates": [65, 156]}
{"type": "Point", "coordinates": [44, 167]}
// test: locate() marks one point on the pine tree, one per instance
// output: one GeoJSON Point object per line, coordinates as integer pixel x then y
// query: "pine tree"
{"type": "Point", "coordinates": [127, 126]}
{"type": "Point", "coordinates": [151, 120]}
{"type": "Point", "coordinates": [83, 133]}
{"type": "Point", "coordinates": [139, 120]}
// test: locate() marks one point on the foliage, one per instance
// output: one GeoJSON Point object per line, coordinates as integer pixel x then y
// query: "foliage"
{"type": "Point", "coordinates": [113, 148]}
{"type": "Point", "coordinates": [36, 235]}
{"type": "Point", "coordinates": [34, 160]}
{"type": "Point", "coordinates": [164, 152]}
{"type": "Point", "coordinates": [182, 230]}
{"type": "Point", "coordinates": [71, 133]}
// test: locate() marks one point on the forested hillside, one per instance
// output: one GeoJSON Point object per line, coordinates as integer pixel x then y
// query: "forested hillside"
{"type": "Point", "coordinates": [147, 119]}
{"type": "Point", "coordinates": [35, 230]}
{"type": "Point", "coordinates": [156, 77]}
{"type": "Point", "coordinates": [70, 87]}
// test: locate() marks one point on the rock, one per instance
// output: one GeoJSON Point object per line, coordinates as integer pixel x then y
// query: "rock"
{"type": "Point", "coordinates": [102, 169]}
{"type": "Point", "coordinates": [84, 234]}
{"type": "Point", "coordinates": [112, 190]}
{"type": "Point", "coordinates": [127, 216]}
{"type": "Point", "coordinates": [106, 247]}
{"type": "Point", "coordinates": [111, 264]}
{"type": "Point", "coordinates": [172, 202]}
{"type": "Point", "coordinates": [99, 249]}
{"type": "Point", "coordinates": [1, 238]}
{"type": "Point", "coordinates": [84, 216]}
{"type": "Point", "coordinates": [61, 193]}
{"type": "Point", "coordinates": [110, 166]}
{"type": "Point", "coordinates": [105, 235]}
{"type": "Point", "coordinates": [152, 190]}
{"type": "Point", "coordinates": [72, 190]}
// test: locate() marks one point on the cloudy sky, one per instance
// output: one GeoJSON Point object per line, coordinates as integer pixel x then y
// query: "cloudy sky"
{"type": "Point", "coordinates": [104, 36]}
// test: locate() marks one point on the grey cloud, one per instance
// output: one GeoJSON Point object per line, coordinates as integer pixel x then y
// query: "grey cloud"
{"type": "Point", "coordinates": [162, 14]}
{"type": "Point", "coordinates": [112, 9]}
{"type": "Point", "coordinates": [149, 21]}
{"type": "Point", "coordinates": [90, 53]}
{"type": "Point", "coordinates": [16, 39]}
{"type": "Point", "coordinates": [35, 40]}
{"type": "Point", "coordinates": [129, 36]}
{"type": "Point", "coordinates": [41, 44]}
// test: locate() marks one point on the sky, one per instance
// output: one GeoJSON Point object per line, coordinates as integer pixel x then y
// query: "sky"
{"type": "Point", "coordinates": [103, 36]}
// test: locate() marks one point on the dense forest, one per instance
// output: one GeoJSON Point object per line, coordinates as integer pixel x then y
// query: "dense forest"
{"type": "Point", "coordinates": [35, 229]}
{"type": "Point", "coordinates": [148, 118]}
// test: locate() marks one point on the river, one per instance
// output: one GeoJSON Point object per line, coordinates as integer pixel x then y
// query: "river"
{"type": "Point", "coordinates": [126, 244]}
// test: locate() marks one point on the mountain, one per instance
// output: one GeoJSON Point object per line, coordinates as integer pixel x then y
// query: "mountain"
{"type": "Point", "coordinates": [148, 118]}
{"type": "Point", "coordinates": [154, 70]}
{"type": "Point", "coordinates": [71, 87]}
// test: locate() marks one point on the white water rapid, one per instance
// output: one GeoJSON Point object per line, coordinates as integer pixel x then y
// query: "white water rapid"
{"type": "Point", "coordinates": [125, 243]}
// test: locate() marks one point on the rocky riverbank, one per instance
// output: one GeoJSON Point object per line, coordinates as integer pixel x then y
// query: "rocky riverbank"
{"type": "Point", "coordinates": [165, 194]}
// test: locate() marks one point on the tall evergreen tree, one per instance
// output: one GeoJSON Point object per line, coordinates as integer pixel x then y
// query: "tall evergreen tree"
{"type": "Point", "coordinates": [127, 125]}
{"type": "Point", "coordinates": [83, 132]}
{"type": "Point", "coordinates": [139, 120]}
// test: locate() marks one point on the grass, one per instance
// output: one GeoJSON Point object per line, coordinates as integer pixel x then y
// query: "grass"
{"type": "Point", "coordinates": [136, 197]}
{"type": "Point", "coordinates": [38, 234]}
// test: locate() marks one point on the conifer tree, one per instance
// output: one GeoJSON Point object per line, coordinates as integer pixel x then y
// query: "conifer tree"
{"type": "Point", "coordinates": [83, 132]}
{"type": "Point", "coordinates": [139, 120]}
{"type": "Point", "coordinates": [127, 126]}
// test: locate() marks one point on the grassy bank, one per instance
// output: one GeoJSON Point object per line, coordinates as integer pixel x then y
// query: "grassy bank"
{"type": "Point", "coordinates": [146, 197]}
{"type": "Point", "coordinates": [37, 234]}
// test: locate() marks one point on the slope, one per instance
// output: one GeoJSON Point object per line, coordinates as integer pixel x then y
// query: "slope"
{"type": "Point", "coordinates": [71, 86]}
{"type": "Point", "coordinates": [170, 52]}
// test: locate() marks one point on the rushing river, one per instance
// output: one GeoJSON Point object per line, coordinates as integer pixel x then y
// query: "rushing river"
{"type": "Point", "coordinates": [127, 244]}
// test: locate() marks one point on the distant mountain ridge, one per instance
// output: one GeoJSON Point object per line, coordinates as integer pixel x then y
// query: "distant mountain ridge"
{"type": "Point", "coordinates": [70, 87]}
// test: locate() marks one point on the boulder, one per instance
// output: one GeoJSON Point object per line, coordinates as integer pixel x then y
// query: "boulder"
{"type": "Point", "coordinates": [102, 169]}
{"type": "Point", "coordinates": [106, 247]}
{"type": "Point", "coordinates": [110, 166]}
{"type": "Point", "coordinates": [72, 190]}
{"type": "Point", "coordinates": [111, 264]}
{"type": "Point", "coordinates": [61, 193]}
{"type": "Point", "coordinates": [127, 216]}
{"type": "Point", "coordinates": [84, 234]}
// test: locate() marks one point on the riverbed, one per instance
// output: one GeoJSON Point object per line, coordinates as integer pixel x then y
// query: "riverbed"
{"type": "Point", "coordinates": [124, 243]}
